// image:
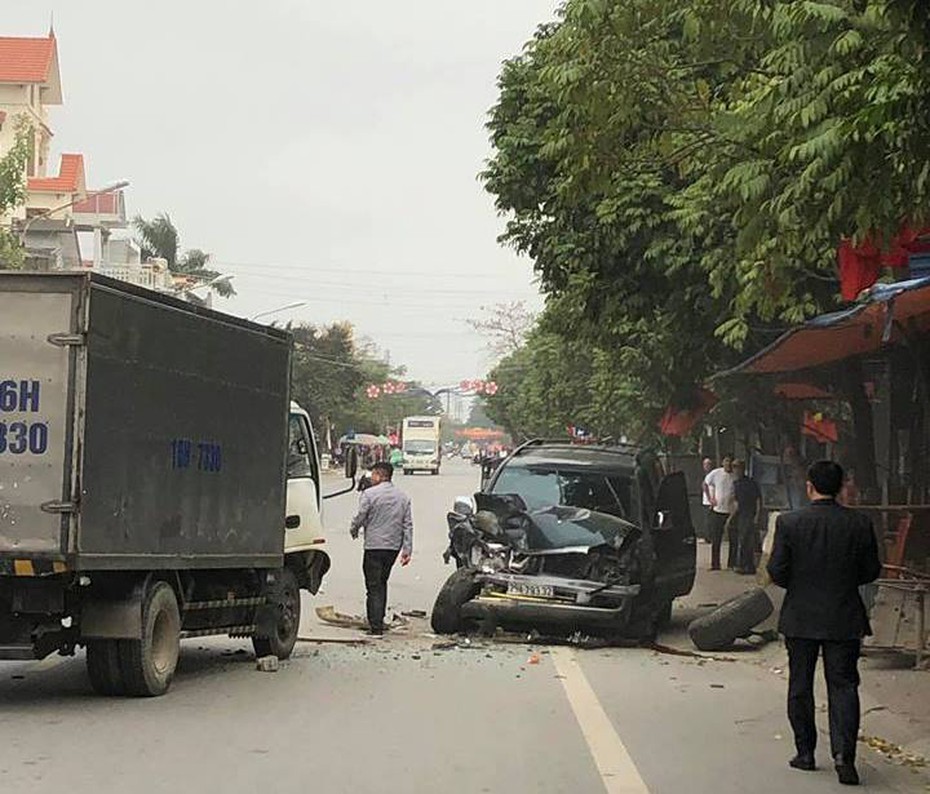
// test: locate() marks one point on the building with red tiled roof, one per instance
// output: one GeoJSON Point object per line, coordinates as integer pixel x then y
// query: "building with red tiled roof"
{"type": "Point", "coordinates": [30, 82]}
{"type": "Point", "coordinates": [70, 179]}
{"type": "Point", "coordinates": [32, 61]}
{"type": "Point", "coordinates": [59, 208]}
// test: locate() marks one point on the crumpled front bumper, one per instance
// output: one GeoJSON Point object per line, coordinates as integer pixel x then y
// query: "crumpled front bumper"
{"type": "Point", "coordinates": [569, 608]}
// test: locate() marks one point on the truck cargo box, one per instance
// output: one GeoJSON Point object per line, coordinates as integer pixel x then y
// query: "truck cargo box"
{"type": "Point", "coordinates": [132, 427]}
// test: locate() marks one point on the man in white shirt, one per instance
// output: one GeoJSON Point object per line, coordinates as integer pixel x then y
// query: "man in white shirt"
{"type": "Point", "coordinates": [719, 488]}
{"type": "Point", "coordinates": [707, 465]}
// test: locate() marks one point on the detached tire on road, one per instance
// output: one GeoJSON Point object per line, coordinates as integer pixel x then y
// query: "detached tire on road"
{"type": "Point", "coordinates": [458, 589]}
{"type": "Point", "coordinates": [103, 667]}
{"type": "Point", "coordinates": [148, 664]}
{"type": "Point", "coordinates": [284, 601]}
{"type": "Point", "coordinates": [733, 619]}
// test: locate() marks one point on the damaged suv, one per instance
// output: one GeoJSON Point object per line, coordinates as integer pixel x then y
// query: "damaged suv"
{"type": "Point", "coordinates": [566, 538]}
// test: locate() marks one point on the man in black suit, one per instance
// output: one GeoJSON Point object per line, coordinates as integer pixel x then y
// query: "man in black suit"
{"type": "Point", "coordinates": [821, 554]}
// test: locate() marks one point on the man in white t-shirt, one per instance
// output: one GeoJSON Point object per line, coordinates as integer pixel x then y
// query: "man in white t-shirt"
{"type": "Point", "coordinates": [707, 465]}
{"type": "Point", "coordinates": [718, 485]}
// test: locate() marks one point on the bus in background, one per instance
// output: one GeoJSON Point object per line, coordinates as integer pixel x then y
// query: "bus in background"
{"type": "Point", "coordinates": [421, 440]}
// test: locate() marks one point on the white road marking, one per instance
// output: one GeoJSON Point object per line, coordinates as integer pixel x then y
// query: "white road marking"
{"type": "Point", "coordinates": [614, 764]}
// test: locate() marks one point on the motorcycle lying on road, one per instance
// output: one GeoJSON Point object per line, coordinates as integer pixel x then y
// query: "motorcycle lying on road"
{"type": "Point", "coordinates": [558, 570]}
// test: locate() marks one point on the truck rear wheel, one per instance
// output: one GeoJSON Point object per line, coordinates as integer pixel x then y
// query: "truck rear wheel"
{"type": "Point", "coordinates": [103, 667]}
{"type": "Point", "coordinates": [148, 664]}
{"type": "Point", "coordinates": [285, 601]}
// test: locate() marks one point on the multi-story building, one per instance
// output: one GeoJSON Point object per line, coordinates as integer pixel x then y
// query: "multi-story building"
{"type": "Point", "coordinates": [59, 210]}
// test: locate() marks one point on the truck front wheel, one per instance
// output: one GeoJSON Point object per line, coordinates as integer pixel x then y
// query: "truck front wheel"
{"type": "Point", "coordinates": [148, 664]}
{"type": "Point", "coordinates": [284, 601]}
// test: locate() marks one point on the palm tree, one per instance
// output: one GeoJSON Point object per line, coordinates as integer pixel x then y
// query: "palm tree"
{"type": "Point", "coordinates": [159, 238]}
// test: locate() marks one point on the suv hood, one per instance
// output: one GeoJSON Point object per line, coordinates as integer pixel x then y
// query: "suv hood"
{"type": "Point", "coordinates": [554, 529]}
{"type": "Point", "coordinates": [558, 528]}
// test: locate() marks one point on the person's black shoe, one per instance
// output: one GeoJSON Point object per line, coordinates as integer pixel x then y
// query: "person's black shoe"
{"type": "Point", "coordinates": [846, 772]}
{"type": "Point", "coordinates": [374, 632]}
{"type": "Point", "coordinates": [804, 762]}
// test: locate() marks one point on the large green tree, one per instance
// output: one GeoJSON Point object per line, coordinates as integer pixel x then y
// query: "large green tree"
{"type": "Point", "coordinates": [681, 174]}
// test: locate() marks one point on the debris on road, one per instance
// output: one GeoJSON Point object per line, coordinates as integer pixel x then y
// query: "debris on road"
{"type": "Point", "coordinates": [658, 648]}
{"type": "Point", "coordinates": [328, 614]}
{"type": "Point", "coordinates": [734, 619]}
{"type": "Point", "coordinates": [534, 659]}
{"type": "Point", "coordinates": [414, 613]}
{"type": "Point", "coordinates": [335, 640]}
{"type": "Point", "coordinates": [267, 664]}
{"type": "Point", "coordinates": [894, 752]}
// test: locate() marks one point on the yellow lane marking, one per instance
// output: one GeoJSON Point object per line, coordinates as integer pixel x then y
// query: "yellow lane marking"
{"type": "Point", "coordinates": [614, 764]}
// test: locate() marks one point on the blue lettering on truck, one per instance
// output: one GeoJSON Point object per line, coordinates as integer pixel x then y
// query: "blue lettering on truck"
{"type": "Point", "coordinates": [202, 455]}
{"type": "Point", "coordinates": [19, 437]}
{"type": "Point", "coordinates": [21, 396]}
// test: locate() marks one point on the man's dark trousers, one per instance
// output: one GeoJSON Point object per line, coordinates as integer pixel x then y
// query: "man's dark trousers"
{"type": "Point", "coordinates": [733, 543]}
{"type": "Point", "coordinates": [840, 659]}
{"type": "Point", "coordinates": [718, 522]}
{"type": "Point", "coordinates": [748, 540]}
{"type": "Point", "coordinates": [376, 565]}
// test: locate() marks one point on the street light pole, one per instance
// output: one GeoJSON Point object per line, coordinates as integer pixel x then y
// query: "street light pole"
{"type": "Point", "coordinates": [295, 305]}
{"type": "Point", "coordinates": [46, 213]}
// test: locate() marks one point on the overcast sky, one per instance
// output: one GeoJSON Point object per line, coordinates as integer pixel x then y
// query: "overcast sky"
{"type": "Point", "coordinates": [321, 151]}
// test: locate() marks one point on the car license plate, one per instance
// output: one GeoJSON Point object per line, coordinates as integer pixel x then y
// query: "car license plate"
{"type": "Point", "coordinates": [533, 590]}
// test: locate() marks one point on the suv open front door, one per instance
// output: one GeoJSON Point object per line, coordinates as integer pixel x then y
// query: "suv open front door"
{"type": "Point", "coordinates": [673, 538]}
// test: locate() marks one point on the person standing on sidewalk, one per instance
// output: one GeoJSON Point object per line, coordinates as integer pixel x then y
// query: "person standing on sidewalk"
{"type": "Point", "coordinates": [821, 555]}
{"type": "Point", "coordinates": [384, 512]}
{"type": "Point", "coordinates": [748, 500]}
{"type": "Point", "coordinates": [719, 484]}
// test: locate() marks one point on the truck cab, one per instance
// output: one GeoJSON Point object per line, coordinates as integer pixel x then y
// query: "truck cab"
{"type": "Point", "coordinates": [304, 539]}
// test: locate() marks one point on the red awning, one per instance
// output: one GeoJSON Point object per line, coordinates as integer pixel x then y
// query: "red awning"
{"type": "Point", "coordinates": [865, 328]}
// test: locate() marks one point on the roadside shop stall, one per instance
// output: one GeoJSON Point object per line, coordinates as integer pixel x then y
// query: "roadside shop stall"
{"type": "Point", "coordinates": [857, 383]}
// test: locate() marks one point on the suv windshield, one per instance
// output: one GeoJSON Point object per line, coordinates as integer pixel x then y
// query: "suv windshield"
{"type": "Point", "coordinates": [541, 488]}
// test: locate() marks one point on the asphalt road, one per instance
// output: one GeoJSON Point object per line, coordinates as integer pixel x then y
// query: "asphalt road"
{"type": "Point", "coordinates": [400, 715]}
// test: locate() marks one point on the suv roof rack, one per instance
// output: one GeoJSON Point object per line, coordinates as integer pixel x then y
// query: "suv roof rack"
{"type": "Point", "coordinates": [619, 446]}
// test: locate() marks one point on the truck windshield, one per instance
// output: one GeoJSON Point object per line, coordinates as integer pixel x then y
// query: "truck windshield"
{"type": "Point", "coordinates": [541, 488]}
{"type": "Point", "coordinates": [415, 447]}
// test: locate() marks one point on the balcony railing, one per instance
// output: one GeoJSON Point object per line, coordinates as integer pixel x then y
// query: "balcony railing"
{"type": "Point", "coordinates": [146, 275]}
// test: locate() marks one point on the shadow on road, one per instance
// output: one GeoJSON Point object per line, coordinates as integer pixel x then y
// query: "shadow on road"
{"type": "Point", "coordinates": [65, 681]}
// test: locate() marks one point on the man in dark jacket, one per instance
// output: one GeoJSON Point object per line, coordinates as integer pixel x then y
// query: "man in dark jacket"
{"type": "Point", "coordinates": [821, 555]}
